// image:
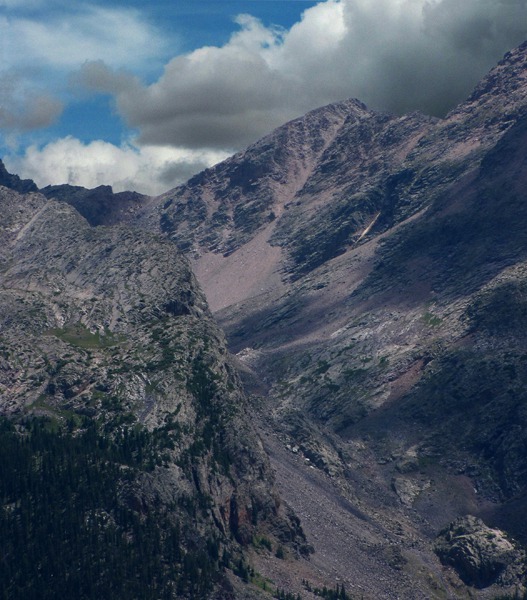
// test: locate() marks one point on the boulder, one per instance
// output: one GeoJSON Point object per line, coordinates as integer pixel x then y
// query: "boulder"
{"type": "Point", "coordinates": [481, 555]}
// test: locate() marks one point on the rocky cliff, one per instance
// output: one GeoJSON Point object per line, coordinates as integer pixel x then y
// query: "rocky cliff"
{"type": "Point", "coordinates": [116, 388]}
{"type": "Point", "coordinates": [100, 205]}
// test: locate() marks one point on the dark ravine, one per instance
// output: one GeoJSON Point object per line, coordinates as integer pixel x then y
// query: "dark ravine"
{"type": "Point", "coordinates": [369, 271]}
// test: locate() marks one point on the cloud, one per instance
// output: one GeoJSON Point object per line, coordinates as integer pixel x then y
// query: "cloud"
{"type": "Point", "coordinates": [42, 43]}
{"type": "Point", "coordinates": [220, 97]}
{"type": "Point", "coordinates": [23, 108]}
{"type": "Point", "coordinates": [427, 54]}
{"type": "Point", "coordinates": [149, 170]}
{"type": "Point", "coordinates": [395, 55]}
{"type": "Point", "coordinates": [65, 37]}
{"type": "Point", "coordinates": [98, 77]}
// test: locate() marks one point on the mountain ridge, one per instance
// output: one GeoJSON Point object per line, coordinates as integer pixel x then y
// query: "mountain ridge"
{"type": "Point", "coordinates": [105, 333]}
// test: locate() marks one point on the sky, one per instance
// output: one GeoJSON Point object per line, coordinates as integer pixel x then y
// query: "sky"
{"type": "Point", "coordinates": [142, 95]}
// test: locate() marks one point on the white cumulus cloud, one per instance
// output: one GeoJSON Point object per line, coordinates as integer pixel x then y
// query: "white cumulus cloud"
{"type": "Point", "coordinates": [41, 45]}
{"type": "Point", "coordinates": [149, 170]}
{"type": "Point", "coordinates": [64, 39]}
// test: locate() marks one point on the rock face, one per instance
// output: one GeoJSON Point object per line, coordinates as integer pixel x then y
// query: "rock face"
{"type": "Point", "coordinates": [14, 182]}
{"type": "Point", "coordinates": [99, 206]}
{"type": "Point", "coordinates": [106, 341]}
{"type": "Point", "coordinates": [480, 555]}
{"type": "Point", "coordinates": [370, 271]}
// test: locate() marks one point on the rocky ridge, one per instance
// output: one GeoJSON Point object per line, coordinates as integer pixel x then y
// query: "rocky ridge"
{"type": "Point", "coordinates": [100, 205]}
{"type": "Point", "coordinates": [14, 182]}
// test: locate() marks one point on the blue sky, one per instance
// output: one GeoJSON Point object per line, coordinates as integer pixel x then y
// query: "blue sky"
{"type": "Point", "coordinates": [141, 95]}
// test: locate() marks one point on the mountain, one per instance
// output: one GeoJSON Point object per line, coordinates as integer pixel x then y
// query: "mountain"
{"type": "Point", "coordinates": [130, 466]}
{"type": "Point", "coordinates": [99, 206]}
{"type": "Point", "coordinates": [369, 272]}
{"type": "Point", "coordinates": [14, 182]}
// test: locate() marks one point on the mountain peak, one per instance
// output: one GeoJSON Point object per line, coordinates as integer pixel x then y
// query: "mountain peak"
{"type": "Point", "coordinates": [15, 183]}
{"type": "Point", "coordinates": [505, 87]}
{"type": "Point", "coordinates": [370, 272]}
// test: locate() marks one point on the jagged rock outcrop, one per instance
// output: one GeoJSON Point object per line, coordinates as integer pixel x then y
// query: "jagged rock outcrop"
{"type": "Point", "coordinates": [14, 182]}
{"type": "Point", "coordinates": [481, 555]}
{"type": "Point", "coordinates": [100, 205]}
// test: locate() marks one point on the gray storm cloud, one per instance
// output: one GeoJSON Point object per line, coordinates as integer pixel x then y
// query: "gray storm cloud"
{"type": "Point", "coordinates": [395, 55]}
{"type": "Point", "coordinates": [428, 55]}
{"type": "Point", "coordinates": [23, 108]}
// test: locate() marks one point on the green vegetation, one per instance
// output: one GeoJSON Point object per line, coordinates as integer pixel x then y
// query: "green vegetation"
{"type": "Point", "coordinates": [261, 541]}
{"type": "Point", "coordinates": [281, 594]}
{"type": "Point", "coordinates": [354, 374]}
{"type": "Point", "coordinates": [242, 570]}
{"type": "Point", "coordinates": [71, 525]}
{"type": "Point", "coordinates": [431, 319]}
{"type": "Point", "coordinates": [322, 367]}
{"type": "Point", "coordinates": [384, 361]}
{"type": "Point", "coordinates": [78, 335]}
{"type": "Point", "coordinates": [337, 593]}
{"type": "Point", "coordinates": [203, 385]}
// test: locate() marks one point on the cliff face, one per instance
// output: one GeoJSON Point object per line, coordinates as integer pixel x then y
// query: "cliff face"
{"type": "Point", "coordinates": [107, 343]}
{"type": "Point", "coordinates": [369, 271]}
